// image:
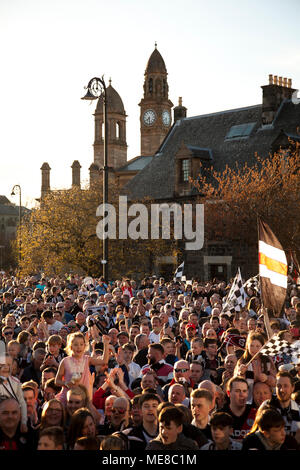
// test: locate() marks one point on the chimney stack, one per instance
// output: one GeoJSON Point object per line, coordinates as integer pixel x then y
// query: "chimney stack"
{"type": "Point", "coordinates": [278, 90]}
{"type": "Point", "coordinates": [179, 111]}
{"type": "Point", "coordinates": [76, 173]}
{"type": "Point", "coordinates": [45, 168]}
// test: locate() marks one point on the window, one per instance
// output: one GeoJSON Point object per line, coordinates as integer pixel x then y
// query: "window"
{"type": "Point", "coordinates": [150, 86]}
{"type": "Point", "coordinates": [117, 130]}
{"type": "Point", "coordinates": [185, 167]}
{"type": "Point", "coordinates": [241, 130]}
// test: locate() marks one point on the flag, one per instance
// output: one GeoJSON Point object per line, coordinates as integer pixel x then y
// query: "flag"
{"type": "Point", "coordinates": [235, 340]}
{"type": "Point", "coordinates": [276, 346]}
{"type": "Point", "coordinates": [272, 269]}
{"type": "Point", "coordinates": [253, 284]}
{"type": "Point", "coordinates": [178, 276]}
{"type": "Point", "coordinates": [236, 299]}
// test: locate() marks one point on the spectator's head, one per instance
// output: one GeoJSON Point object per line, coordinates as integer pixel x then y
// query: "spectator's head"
{"type": "Point", "coordinates": [261, 392]}
{"type": "Point", "coordinates": [149, 403]}
{"type": "Point", "coordinates": [202, 402]}
{"type": "Point", "coordinates": [155, 353]}
{"type": "Point", "coordinates": [148, 381]}
{"type": "Point", "coordinates": [82, 424]}
{"type": "Point", "coordinates": [54, 344]}
{"type": "Point", "coordinates": [176, 393]}
{"type": "Point", "coordinates": [182, 371]}
{"type": "Point", "coordinates": [53, 414]}
{"type": "Point", "coordinates": [136, 411]}
{"type": "Point", "coordinates": [284, 387]}
{"type": "Point", "coordinates": [86, 443]}
{"type": "Point", "coordinates": [141, 341]}
{"type": "Point", "coordinates": [170, 424]}
{"type": "Point", "coordinates": [77, 397]}
{"type": "Point", "coordinates": [196, 369]}
{"type": "Point", "coordinates": [237, 390]}
{"type": "Point", "coordinates": [120, 412]}
{"type": "Point", "coordinates": [211, 387]}
{"type": "Point", "coordinates": [221, 425]}
{"type": "Point", "coordinates": [10, 415]}
{"type": "Point", "coordinates": [196, 346]}
{"type": "Point", "coordinates": [113, 442]}
{"type": "Point", "coordinates": [271, 424]}
{"type": "Point", "coordinates": [51, 438]}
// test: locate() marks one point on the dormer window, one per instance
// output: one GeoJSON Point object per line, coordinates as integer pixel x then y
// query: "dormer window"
{"type": "Point", "coordinates": [240, 131]}
{"type": "Point", "coordinates": [185, 170]}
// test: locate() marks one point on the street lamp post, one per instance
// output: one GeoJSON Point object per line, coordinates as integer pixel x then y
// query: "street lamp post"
{"type": "Point", "coordinates": [17, 186]}
{"type": "Point", "coordinates": [95, 88]}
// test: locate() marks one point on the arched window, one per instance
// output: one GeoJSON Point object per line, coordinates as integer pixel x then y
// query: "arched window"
{"type": "Point", "coordinates": [118, 129]}
{"type": "Point", "coordinates": [150, 85]}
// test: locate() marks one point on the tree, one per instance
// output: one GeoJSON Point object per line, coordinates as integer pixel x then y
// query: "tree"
{"type": "Point", "coordinates": [60, 236]}
{"type": "Point", "coordinates": [235, 198]}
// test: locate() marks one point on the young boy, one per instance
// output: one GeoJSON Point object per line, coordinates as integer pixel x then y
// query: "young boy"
{"type": "Point", "coordinates": [170, 435]}
{"type": "Point", "coordinates": [195, 353]}
{"type": "Point", "coordinates": [221, 425]}
{"type": "Point", "coordinates": [54, 354]}
{"type": "Point", "coordinates": [51, 438]}
{"type": "Point", "coordinates": [170, 349]}
{"type": "Point", "coordinates": [270, 434]}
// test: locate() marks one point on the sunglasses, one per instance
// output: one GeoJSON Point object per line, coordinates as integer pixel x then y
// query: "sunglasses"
{"type": "Point", "coordinates": [118, 410]}
{"type": "Point", "coordinates": [181, 370]}
{"type": "Point", "coordinates": [6, 333]}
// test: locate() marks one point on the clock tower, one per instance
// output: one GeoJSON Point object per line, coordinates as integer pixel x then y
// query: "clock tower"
{"type": "Point", "coordinates": [155, 105]}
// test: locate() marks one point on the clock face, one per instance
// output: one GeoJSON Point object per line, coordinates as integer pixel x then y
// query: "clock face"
{"type": "Point", "coordinates": [166, 118]}
{"type": "Point", "coordinates": [149, 117]}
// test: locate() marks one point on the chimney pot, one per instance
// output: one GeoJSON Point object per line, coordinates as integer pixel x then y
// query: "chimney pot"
{"type": "Point", "coordinates": [270, 79]}
{"type": "Point", "coordinates": [275, 80]}
{"type": "Point", "coordinates": [290, 83]}
{"type": "Point", "coordinates": [285, 82]}
{"type": "Point", "coordinates": [280, 81]}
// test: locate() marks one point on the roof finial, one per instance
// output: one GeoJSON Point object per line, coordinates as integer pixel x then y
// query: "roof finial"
{"type": "Point", "coordinates": [155, 45]}
{"type": "Point", "coordinates": [110, 81]}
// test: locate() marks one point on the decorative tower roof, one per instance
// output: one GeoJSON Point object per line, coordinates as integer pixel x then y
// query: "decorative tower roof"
{"type": "Point", "coordinates": [114, 102]}
{"type": "Point", "coordinates": [156, 63]}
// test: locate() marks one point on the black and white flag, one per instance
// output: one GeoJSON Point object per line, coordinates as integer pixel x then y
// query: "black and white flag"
{"type": "Point", "coordinates": [236, 299]}
{"type": "Point", "coordinates": [178, 276]}
{"type": "Point", "coordinates": [253, 284]}
{"type": "Point", "coordinates": [277, 346]}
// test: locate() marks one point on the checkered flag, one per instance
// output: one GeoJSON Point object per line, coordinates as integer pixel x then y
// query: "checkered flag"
{"type": "Point", "coordinates": [253, 283]}
{"type": "Point", "coordinates": [236, 299]}
{"type": "Point", "coordinates": [276, 346]}
{"type": "Point", "coordinates": [178, 276]}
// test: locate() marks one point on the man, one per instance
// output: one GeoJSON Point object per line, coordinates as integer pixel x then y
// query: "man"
{"type": "Point", "coordinates": [113, 334]}
{"type": "Point", "coordinates": [33, 372]}
{"type": "Point", "coordinates": [182, 375]}
{"type": "Point", "coordinates": [287, 407]}
{"type": "Point", "coordinates": [212, 361]}
{"type": "Point", "coordinates": [156, 324]}
{"type": "Point", "coordinates": [53, 325]}
{"type": "Point", "coordinates": [170, 432]}
{"type": "Point", "coordinates": [124, 359]}
{"type": "Point", "coordinates": [229, 366]}
{"type": "Point", "coordinates": [140, 436]}
{"type": "Point", "coordinates": [11, 437]}
{"type": "Point", "coordinates": [141, 342]}
{"type": "Point", "coordinates": [196, 369]}
{"type": "Point", "coordinates": [164, 371]}
{"type": "Point", "coordinates": [119, 417]}
{"type": "Point", "coordinates": [243, 414]}
{"type": "Point", "coordinates": [80, 320]}
{"type": "Point", "coordinates": [261, 392]}
{"type": "Point", "coordinates": [176, 394]}
{"type": "Point", "coordinates": [201, 406]}
{"type": "Point", "coordinates": [33, 412]}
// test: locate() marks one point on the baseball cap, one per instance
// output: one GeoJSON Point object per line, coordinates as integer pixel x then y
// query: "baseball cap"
{"type": "Point", "coordinates": [191, 325]}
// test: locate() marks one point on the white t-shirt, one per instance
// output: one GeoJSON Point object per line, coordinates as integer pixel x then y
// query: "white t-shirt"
{"type": "Point", "coordinates": [54, 329]}
{"type": "Point", "coordinates": [154, 338]}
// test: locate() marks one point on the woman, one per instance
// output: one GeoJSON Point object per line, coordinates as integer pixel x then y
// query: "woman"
{"type": "Point", "coordinates": [82, 424]}
{"type": "Point", "coordinates": [261, 369]}
{"type": "Point", "coordinates": [53, 414]}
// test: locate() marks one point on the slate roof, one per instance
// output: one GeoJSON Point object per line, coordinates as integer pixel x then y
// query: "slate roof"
{"type": "Point", "coordinates": [208, 131]}
{"type": "Point", "coordinates": [136, 164]}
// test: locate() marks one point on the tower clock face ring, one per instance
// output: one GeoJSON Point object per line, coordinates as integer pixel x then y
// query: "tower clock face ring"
{"type": "Point", "coordinates": [166, 118]}
{"type": "Point", "coordinates": [149, 117]}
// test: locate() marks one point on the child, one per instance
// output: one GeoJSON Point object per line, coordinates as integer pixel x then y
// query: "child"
{"type": "Point", "coordinates": [170, 435]}
{"type": "Point", "coordinates": [169, 349]}
{"type": "Point", "coordinates": [221, 425]}
{"type": "Point", "coordinates": [54, 353]}
{"type": "Point", "coordinates": [87, 443]}
{"type": "Point", "coordinates": [11, 387]}
{"type": "Point", "coordinates": [75, 368]}
{"type": "Point", "coordinates": [51, 438]}
{"type": "Point", "coordinates": [195, 353]}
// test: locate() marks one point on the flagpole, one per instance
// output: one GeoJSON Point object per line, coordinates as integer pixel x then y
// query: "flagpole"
{"type": "Point", "coordinates": [265, 313]}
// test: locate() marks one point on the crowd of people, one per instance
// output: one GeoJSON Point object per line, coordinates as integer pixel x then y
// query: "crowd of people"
{"type": "Point", "coordinates": [151, 365]}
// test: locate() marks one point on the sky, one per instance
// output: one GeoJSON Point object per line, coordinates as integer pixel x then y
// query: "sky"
{"type": "Point", "coordinates": [218, 54]}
